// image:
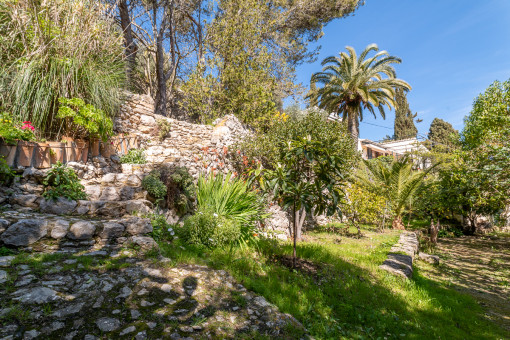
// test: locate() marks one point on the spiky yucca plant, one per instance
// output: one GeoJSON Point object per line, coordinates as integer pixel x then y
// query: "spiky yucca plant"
{"type": "Point", "coordinates": [231, 198]}
{"type": "Point", "coordinates": [352, 84]}
{"type": "Point", "coordinates": [397, 182]}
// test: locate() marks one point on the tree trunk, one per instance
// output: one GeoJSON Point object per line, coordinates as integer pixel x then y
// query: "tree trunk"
{"type": "Point", "coordinates": [300, 218]}
{"type": "Point", "coordinates": [433, 231]}
{"type": "Point", "coordinates": [161, 95]}
{"type": "Point", "coordinates": [130, 47]}
{"type": "Point", "coordinates": [353, 126]}
{"type": "Point", "coordinates": [294, 234]}
{"type": "Point", "coordinates": [397, 224]}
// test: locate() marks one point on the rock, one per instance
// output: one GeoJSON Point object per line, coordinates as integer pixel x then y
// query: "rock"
{"type": "Point", "coordinates": [146, 243]}
{"type": "Point", "coordinates": [128, 330]}
{"type": "Point", "coordinates": [399, 264]}
{"type": "Point", "coordinates": [260, 301]}
{"type": "Point", "coordinates": [25, 232]}
{"type": "Point", "coordinates": [126, 193]}
{"type": "Point", "coordinates": [25, 200]}
{"type": "Point", "coordinates": [135, 314]}
{"type": "Point", "coordinates": [30, 334]}
{"type": "Point", "coordinates": [5, 261]}
{"type": "Point", "coordinates": [38, 295]}
{"type": "Point", "coordinates": [434, 259]}
{"type": "Point", "coordinates": [60, 206]}
{"type": "Point", "coordinates": [108, 324]}
{"type": "Point", "coordinates": [81, 231]}
{"type": "Point", "coordinates": [112, 230]}
{"type": "Point", "coordinates": [69, 310]}
{"type": "Point", "coordinates": [137, 225]}
{"type": "Point", "coordinates": [93, 191]}
{"type": "Point", "coordinates": [109, 194]}
{"type": "Point", "coordinates": [138, 207]}
{"type": "Point", "coordinates": [141, 336]}
{"type": "Point", "coordinates": [3, 276]}
{"type": "Point", "coordinates": [60, 229]}
{"type": "Point", "coordinates": [3, 225]}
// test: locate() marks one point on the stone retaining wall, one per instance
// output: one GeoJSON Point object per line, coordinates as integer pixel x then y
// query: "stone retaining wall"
{"type": "Point", "coordinates": [43, 232]}
{"type": "Point", "coordinates": [401, 256]}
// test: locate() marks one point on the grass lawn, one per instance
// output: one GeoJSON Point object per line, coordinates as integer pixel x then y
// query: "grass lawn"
{"type": "Point", "coordinates": [348, 297]}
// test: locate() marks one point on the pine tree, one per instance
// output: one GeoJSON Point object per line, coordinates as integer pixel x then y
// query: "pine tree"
{"type": "Point", "coordinates": [404, 118]}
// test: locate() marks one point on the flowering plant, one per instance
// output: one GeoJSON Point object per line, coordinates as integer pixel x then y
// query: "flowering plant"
{"type": "Point", "coordinates": [10, 131]}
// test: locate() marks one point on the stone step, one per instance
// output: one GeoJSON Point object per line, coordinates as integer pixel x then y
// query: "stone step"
{"type": "Point", "coordinates": [48, 231]}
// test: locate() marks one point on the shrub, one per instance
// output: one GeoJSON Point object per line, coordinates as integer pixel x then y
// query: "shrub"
{"type": "Point", "coordinates": [134, 156]}
{"type": "Point", "coordinates": [84, 120]}
{"type": "Point", "coordinates": [154, 186]}
{"type": "Point", "coordinates": [62, 181]}
{"type": "Point", "coordinates": [180, 188]}
{"type": "Point", "coordinates": [6, 173]}
{"type": "Point", "coordinates": [164, 128]}
{"type": "Point", "coordinates": [231, 198]}
{"type": "Point", "coordinates": [161, 229]}
{"type": "Point", "coordinates": [207, 229]}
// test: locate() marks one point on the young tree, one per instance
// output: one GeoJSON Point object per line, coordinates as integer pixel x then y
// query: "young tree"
{"type": "Point", "coordinates": [396, 182]}
{"type": "Point", "coordinates": [352, 83]}
{"type": "Point", "coordinates": [404, 118]}
{"type": "Point", "coordinates": [308, 181]}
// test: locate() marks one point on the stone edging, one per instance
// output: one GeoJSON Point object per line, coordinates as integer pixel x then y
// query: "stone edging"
{"type": "Point", "coordinates": [401, 256]}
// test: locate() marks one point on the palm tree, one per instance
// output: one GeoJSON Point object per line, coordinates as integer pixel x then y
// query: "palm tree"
{"type": "Point", "coordinates": [397, 182]}
{"type": "Point", "coordinates": [352, 83]}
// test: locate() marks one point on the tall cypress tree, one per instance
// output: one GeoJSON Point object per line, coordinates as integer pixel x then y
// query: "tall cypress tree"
{"type": "Point", "coordinates": [404, 118]}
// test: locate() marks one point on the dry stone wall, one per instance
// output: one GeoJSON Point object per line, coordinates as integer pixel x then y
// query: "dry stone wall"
{"type": "Point", "coordinates": [200, 148]}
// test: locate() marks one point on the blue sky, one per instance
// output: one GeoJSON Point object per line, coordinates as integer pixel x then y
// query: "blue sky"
{"type": "Point", "coordinates": [451, 51]}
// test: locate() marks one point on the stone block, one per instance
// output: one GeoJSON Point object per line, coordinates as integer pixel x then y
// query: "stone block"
{"type": "Point", "coordinates": [25, 232]}
{"type": "Point", "coordinates": [81, 231]}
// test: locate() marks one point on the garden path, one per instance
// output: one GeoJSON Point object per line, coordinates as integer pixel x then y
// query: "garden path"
{"type": "Point", "coordinates": [480, 267]}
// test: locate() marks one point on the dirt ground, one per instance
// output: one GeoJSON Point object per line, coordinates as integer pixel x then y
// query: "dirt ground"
{"type": "Point", "coordinates": [479, 266]}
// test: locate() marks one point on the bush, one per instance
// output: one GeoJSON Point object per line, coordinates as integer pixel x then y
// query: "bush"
{"type": "Point", "coordinates": [134, 156]}
{"type": "Point", "coordinates": [231, 198]}
{"type": "Point", "coordinates": [154, 186]}
{"type": "Point", "coordinates": [161, 229]}
{"type": "Point", "coordinates": [163, 129]}
{"type": "Point", "coordinates": [84, 120]}
{"type": "Point", "coordinates": [207, 229]}
{"type": "Point", "coordinates": [6, 173]}
{"type": "Point", "coordinates": [62, 181]}
{"type": "Point", "coordinates": [180, 188]}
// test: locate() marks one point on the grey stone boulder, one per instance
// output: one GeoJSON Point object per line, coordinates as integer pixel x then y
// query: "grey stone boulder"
{"type": "Point", "coordinates": [137, 225]}
{"type": "Point", "coordinates": [60, 229]}
{"type": "Point", "coordinates": [25, 200]}
{"type": "Point", "coordinates": [127, 193]}
{"type": "Point", "coordinates": [112, 230]}
{"type": "Point", "coordinates": [433, 259]}
{"type": "Point", "coordinates": [82, 230]}
{"type": "Point", "coordinates": [25, 232]}
{"type": "Point", "coordinates": [60, 206]}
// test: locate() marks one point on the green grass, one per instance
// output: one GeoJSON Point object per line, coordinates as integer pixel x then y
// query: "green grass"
{"type": "Point", "coordinates": [349, 297]}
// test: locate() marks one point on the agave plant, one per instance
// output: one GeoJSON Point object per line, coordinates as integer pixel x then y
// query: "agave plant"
{"type": "Point", "coordinates": [397, 182]}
